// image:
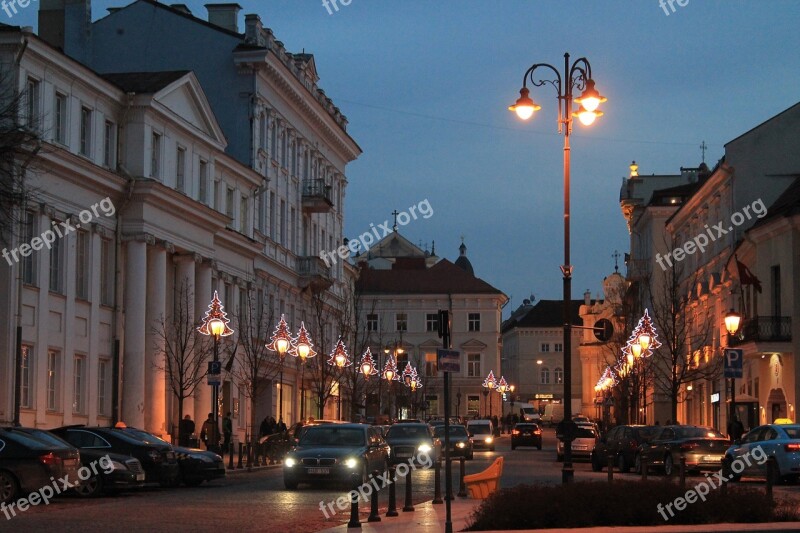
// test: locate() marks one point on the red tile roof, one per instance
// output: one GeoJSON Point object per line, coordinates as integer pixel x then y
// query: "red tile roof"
{"type": "Point", "coordinates": [411, 277]}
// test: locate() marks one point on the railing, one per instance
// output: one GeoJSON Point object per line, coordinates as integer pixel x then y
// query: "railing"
{"type": "Point", "coordinates": [763, 329]}
{"type": "Point", "coordinates": [316, 189]}
{"type": "Point", "coordinates": [312, 266]}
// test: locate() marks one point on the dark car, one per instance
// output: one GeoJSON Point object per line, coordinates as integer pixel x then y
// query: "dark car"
{"type": "Point", "coordinates": [28, 464]}
{"type": "Point", "coordinates": [454, 421]}
{"type": "Point", "coordinates": [622, 443]}
{"type": "Point", "coordinates": [408, 439]}
{"type": "Point", "coordinates": [157, 457]}
{"type": "Point", "coordinates": [526, 434]}
{"type": "Point", "coordinates": [196, 465]}
{"type": "Point", "coordinates": [703, 448]}
{"type": "Point", "coordinates": [461, 444]}
{"type": "Point", "coordinates": [106, 472]}
{"type": "Point", "coordinates": [335, 452]}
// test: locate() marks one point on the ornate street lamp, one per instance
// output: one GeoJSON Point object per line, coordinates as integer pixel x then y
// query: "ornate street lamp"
{"type": "Point", "coordinates": [502, 387]}
{"type": "Point", "coordinates": [303, 349]}
{"type": "Point", "coordinates": [732, 321]}
{"type": "Point", "coordinates": [281, 342]}
{"type": "Point", "coordinates": [489, 385]}
{"type": "Point", "coordinates": [577, 76]}
{"type": "Point", "coordinates": [341, 360]}
{"type": "Point", "coordinates": [215, 323]}
{"type": "Point", "coordinates": [390, 374]}
{"type": "Point", "coordinates": [367, 365]}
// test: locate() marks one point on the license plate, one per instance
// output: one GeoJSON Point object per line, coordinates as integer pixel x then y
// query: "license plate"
{"type": "Point", "coordinates": [319, 470]}
{"type": "Point", "coordinates": [139, 477]}
{"type": "Point", "coordinates": [713, 458]}
{"type": "Point", "coordinates": [70, 462]}
{"type": "Point", "coordinates": [403, 455]}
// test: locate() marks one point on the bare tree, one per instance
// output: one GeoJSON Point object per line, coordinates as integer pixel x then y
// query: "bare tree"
{"type": "Point", "coordinates": [323, 376]}
{"type": "Point", "coordinates": [181, 350]}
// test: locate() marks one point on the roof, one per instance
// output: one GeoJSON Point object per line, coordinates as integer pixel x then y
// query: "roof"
{"type": "Point", "coordinates": [787, 204]}
{"type": "Point", "coordinates": [545, 314]}
{"type": "Point", "coordinates": [178, 11]}
{"type": "Point", "coordinates": [411, 277]}
{"type": "Point", "coordinates": [144, 82]}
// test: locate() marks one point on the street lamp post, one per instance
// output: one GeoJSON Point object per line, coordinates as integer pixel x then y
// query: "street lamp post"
{"type": "Point", "coordinates": [732, 321]}
{"type": "Point", "coordinates": [280, 342]}
{"type": "Point", "coordinates": [489, 384]}
{"type": "Point", "coordinates": [458, 403]}
{"type": "Point", "coordinates": [215, 323]}
{"type": "Point", "coordinates": [340, 360]}
{"type": "Point", "coordinates": [302, 348]}
{"type": "Point", "coordinates": [577, 76]}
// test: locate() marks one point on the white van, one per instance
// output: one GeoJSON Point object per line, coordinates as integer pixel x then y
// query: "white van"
{"type": "Point", "coordinates": [553, 413]}
{"type": "Point", "coordinates": [482, 433]}
{"type": "Point", "coordinates": [529, 413]}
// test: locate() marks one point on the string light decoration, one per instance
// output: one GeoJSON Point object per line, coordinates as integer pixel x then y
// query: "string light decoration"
{"type": "Point", "coordinates": [367, 364]}
{"type": "Point", "coordinates": [416, 382]}
{"type": "Point", "coordinates": [408, 373]}
{"type": "Point", "coordinates": [607, 380]}
{"type": "Point", "coordinates": [215, 322]}
{"type": "Point", "coordinates": [281, 340]}
{"type": "Point", "coordinates": [390, 372]}
{"type": "Point", "coordinates": [302, 346]}
{"type": "Point", "coordinates": [502, 385]}
{"type": "Point", "coordinates": [490, 382]}
{"type": "Point", "coordinates": [339, 357]}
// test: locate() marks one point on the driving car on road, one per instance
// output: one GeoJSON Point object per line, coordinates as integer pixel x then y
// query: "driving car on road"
{"type": "Point", "coordinates": [460, 442]}
{"type": "Point", "coordinates": [622, 443]}
{"type": "Point", "coordinates": [703, 447]}
{"type": "Point", "coordinates": [408, 439]}
{"type": "Point", "coordinates": [582, 446]}
{"type": "Point", "coordinates": [779, 443]}
{"type": "Point", "coordinates": [334, 452]}
{"type": "Point", "coordinates": [526, 434]}
{"type": "Point", "coordinates": [482, 433]}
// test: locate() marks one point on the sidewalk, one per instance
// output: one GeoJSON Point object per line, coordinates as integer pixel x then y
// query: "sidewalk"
{"type": "Point", "coordinates": [426, 518]}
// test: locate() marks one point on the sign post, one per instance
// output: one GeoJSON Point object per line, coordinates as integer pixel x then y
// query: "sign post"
{"type": "Point", "coordinates": [733, 369]}
{"type": "Point", "coordinates": [448, 361]}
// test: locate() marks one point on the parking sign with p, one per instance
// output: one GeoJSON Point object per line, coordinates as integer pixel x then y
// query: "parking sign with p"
{"type": "Point", "coordinates": [733, 363]}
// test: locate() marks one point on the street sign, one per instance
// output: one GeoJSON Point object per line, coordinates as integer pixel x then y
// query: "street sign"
{"type": "Point", "coordinates": [733, 363]}
{"type": "Point", "coordinates": [214, 379]}
{"type": "Point", "coordinates": [448, 360]}
{"type": "Point", "coordinates": [215, 367]}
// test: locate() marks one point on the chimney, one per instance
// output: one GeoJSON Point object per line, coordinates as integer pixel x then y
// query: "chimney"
{"type": "Point", "coordinates": [587, 297]}
{"type": "Point", "coordinates": [252, 29]}
{"type": "Point", "coordinates": [66, 24]}
{"type": "Point", "coordinates": [224, 15]}
{"type": "Point", "coordinates": [183, 8]}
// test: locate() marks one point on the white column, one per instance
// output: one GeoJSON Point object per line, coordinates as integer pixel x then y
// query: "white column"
{"type": "Point", "coordinates": [133, 371]}
{"type": "Point", "coordinates": [204, 292]}
{"type": "Point", "coordinates": [155, 374]}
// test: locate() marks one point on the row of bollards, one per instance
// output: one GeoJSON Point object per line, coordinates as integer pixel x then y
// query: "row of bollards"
{"type": "Point", "coordinates": [408, 506]}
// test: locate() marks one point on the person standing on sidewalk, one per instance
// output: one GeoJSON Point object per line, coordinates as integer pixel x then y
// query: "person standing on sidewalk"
{"type": "Point", "coordinates": [210, 434]}
{"type": "Point", "coordinates": [227, 432]}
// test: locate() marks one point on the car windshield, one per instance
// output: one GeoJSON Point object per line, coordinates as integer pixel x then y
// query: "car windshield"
{"type": "Point", "coordinates": [328, 435]}
{"type": "Point", "coordinates": [480, 429]}
{"type": "Point", "coordinates": [407, 431]}
{"type": "Point", "coordinates": [457, 431]}
{"type": "Point", "coordinates": [585, 433]}
{"type": "Point", "coordinates": [697, 432]}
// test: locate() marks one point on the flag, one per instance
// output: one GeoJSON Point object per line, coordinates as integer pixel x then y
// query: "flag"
{"type": "Point", "coordinates": [746, 277]}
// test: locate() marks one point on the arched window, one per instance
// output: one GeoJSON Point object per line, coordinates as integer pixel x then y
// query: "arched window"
{"type": "Point", "coordinates": [544, 376]}
{"type": "Point", "coordinates": [558, 375]}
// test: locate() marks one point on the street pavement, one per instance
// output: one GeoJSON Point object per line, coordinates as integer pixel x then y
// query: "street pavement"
{"type": "Point", "coordinates": [257, 501]}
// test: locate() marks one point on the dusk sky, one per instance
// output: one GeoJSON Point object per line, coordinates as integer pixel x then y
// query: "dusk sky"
{"type": "Point", "coordinates": [425, 86]}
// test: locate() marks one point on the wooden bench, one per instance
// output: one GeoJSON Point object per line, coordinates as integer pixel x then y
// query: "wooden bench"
{"type": "Point", "coordinates": [482, 484]}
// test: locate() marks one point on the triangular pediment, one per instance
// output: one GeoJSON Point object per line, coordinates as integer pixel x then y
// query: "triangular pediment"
{"type": "Point", "coordinates": [186, 101]}
{"type": "Point", "coordinates": [391, 246]}
{"type": "Point", "coordinates": [474, 344]}
{"type": "Point", "coordinates": [431, 344]}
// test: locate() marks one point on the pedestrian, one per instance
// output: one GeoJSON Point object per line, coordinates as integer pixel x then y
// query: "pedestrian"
{"type": "Point", "coordinates": [227, 432]}
{"type": "Point", "coordinates": [210, 433]}
{"type": "Point", "coordinates": [281, 426]}
{"type": "Point", "coordinates": [185, 430]}
{"type": "Point", "coordinates": [263, 430]}
{"type": "Point", "coordinates": [273, 426]}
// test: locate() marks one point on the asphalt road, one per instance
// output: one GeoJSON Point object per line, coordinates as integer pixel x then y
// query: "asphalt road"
{"type": "Point", "coordinates": [257, 501]}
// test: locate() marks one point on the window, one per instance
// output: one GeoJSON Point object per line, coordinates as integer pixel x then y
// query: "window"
{"type": "Point", "coordinates": [293, 157]}
{"type": "Point", "coordinates": [106, 272]}
{"type": "Point", "coordinates": [775, 281]}
{"type": "Point", "coordinates": [558, 375]}
{"type": "Point", "coordinates": [558, 347]}
{"type": "Point", "coordinates": [103, 379]}
{"type": "Point", "coordinates": [544, 376]}
{"type": "Point", "coordinates": [25, 399]}
{"type": "Point", "coordinates": [293, 220]}
{"type": "Point", "coordinates": [473, 404]}
{"type": "Point", "coordinates": [229, 192]}
{"type": "Point", "coordinates": [431, 322]}
{"type": "Point", "coordinates": [60, 126]}
{"type": "Point", "coordinates": [473, 365]}
{"type": "Point", "coordinates": [53, 377]}
{"type": "Point", "coordinates": [57, 266]}
{"type": "Point", "coordinates": [180, 169]}
{"type": "Point", "coordinates": [545, 347]}
{"type": "Point", "coordinates": [283, 223]}
{"type": "Point", "coordinates": [474, 322]}
{"type": "Point", "coordinates": [202, 181]}
{"type": "Point", "coordinates": [262, 130]}
{"type": "Point", "coordinates": [29, 231]}
{"type": "Point", "coordinates": [431, 365]}
{"type": "Point", "coordinates": [372, 322]}
{"type": "Point", "coordinates": [244, 214]}
{"type": "Point", "coordinates": [272, 216]}
{"type": "Point", "coordinates": [274, 148]}
{"type": "Point", "coordinates": [401, 322]}
{"type": "Point", "coordinates": [86, 131]}
{"type": "Point", "coordinates": [109, 144]}
{"type": "Point", "coordinates": [78, 384]}
{"type": "Point", "coordinates": [155, 153]}
{"type": "Point", "coordinates": [32, 103]}
{"type": "Point", "coordinates": [82, 265]}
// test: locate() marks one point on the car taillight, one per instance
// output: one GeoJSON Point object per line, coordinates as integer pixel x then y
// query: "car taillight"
{"type": "Point", "coordinates": [689, 446]}
{"type": "Point", "coordinates": [515, 432]}
{"type": "Point", "coordinates": [538, 432]}
{"type": "Point", "coordinates": [792, 447]}
{"type": "Point", "coordinates": [50, 459]}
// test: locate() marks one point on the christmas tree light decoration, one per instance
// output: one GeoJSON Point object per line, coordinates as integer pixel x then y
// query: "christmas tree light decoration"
{"type": "Point", "coordinates": [490, 382]}
{"type": "Point", "coordinates": [281, 339]}
{"type": "Point", "coordinates": [302, 346]}
{"type": "Point", "coordinates": [367, 364]}
{"type": "Point", "coordinates": [216, 321]}
{"type": "Point", "coordinates": [408, 373]}
{"type": "Point", "coordinates": [339, 357]}
{"type": "Point", "coordinates": [607, 380]}
{"type": "Point", "coordinates": [502, 385]}
{"type": "Point", "coordinates": [416, 382]}
{"type": "Point", "coordinates": [390, 372]}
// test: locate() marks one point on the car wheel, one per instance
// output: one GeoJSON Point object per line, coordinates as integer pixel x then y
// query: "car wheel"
{"type": "Point", "coordinates": [193, 482]}
{"type": "Point", "coordinates": [90, 488]}
{"type": "Point", "coordinates": [290, 484]}
{"type": "Point", "coordinates": [622, 464]}
{"type": "Point", "coordinates": [637, 464]}
{"type": "Point", "coordinates": [727, 470]}
{"type": "Point", "coordinates": [669, 466]}
{"type": "Point", "coordinates": [596, 465]}
{"type": "Point", "coordinates": [777, 479]}
{"type": "Point", "coordinates": [9, 488]}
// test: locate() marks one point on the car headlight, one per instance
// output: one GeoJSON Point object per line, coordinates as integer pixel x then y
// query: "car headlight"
{"type": "Point", "coordinates": [488, 440]}
{"type": "Point", "coordinates": [289, 462]}
{"type": "Point", "coordinates": [460, 445]}
{"type": "Point", "coordinates": [424, 448]}
{"type": "Point", "coordinates": [351, 462]}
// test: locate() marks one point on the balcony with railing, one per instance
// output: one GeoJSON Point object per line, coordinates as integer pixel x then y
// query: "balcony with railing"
{"type": "Point", "coordinates": [763, 329]}
{"type": "Point", "coordinates": [316, 196]}
{"type": "Point", "coordinates": [314, 273]}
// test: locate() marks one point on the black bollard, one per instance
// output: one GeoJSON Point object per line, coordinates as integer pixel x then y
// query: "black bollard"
{"type": "Point", "coordinates": [354, 522]}
{"type": "Point", "coordinates": [643, 462]}
{"type": "Point", "coordinates": [409, 505]}
{"type": "Point", "coordinates": [256, 453]}
{"type": "Point", "coordinates": [230, 456]}
{"type": "Point", "coordinates": [249, 457]}
{"type": "Point", "coordinates": [374, 516]}
{"type": "Point", "coordinates": [449, 493]}
{"type": "Point", "coordinates": [610, 468]}
{"type": "Point", "coordinates": [392, 510]}
{"type": "Point", "coordinates": [462, 487]}
{"type": "Point", "coordinates": [683, 472]}
{"type": "Point", "coordinates": [437, 482]}
{"type": "Point", "coordinates": [771, 466]}
{"type": "Point", "coordinates": [241, 449]}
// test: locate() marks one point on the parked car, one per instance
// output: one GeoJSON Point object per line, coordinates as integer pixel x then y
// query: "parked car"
{"type": "Point", "coordinates": [407, 439]}
{"type": "Point", "coordinates": [110, 472]}
{"type": "Point", "coordinates": [526, 434]}
{"type": "Point", "coordinates": [196, 465]}
{"type": "Point", "coordinates": [482, 433]}
{"type": "Point", "coordinates": [333, 452]}
{"type": "Point", "coordinates": [460, 442]}
{"type": "Point", "coordinates": [703, 448]}
{"type": "Point", "coordinates": [454, 421]}
{"type": "Point", "coordinates": [582, 445]}
{"type": "Point", "coordinates": [779, 443]}
{"type": "Point", "coordinates": [28, 464]}
{"type": "Point", "coordinates": [157, 457]}
{"type": "Point", "coordinates": [622, 442]}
